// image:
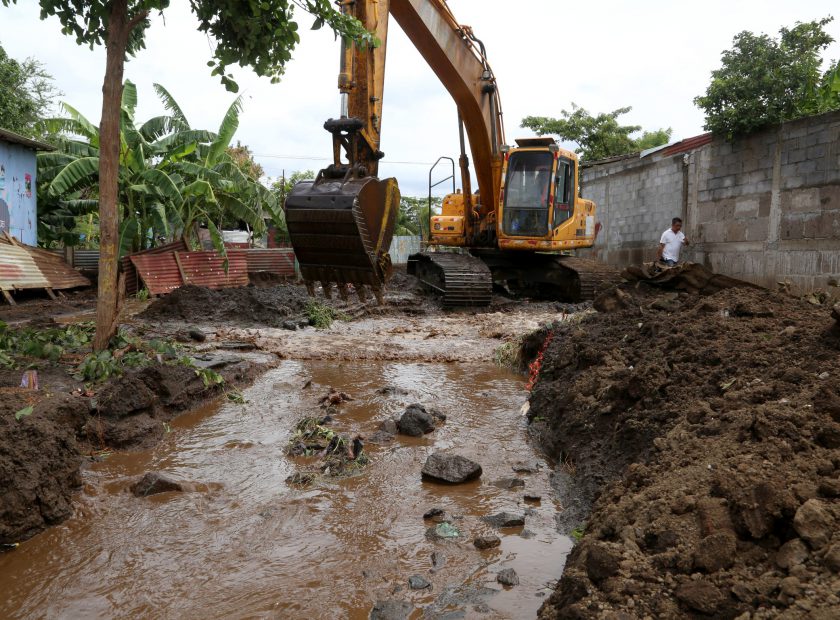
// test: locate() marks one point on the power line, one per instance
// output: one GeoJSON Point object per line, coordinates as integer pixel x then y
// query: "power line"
{"type": "Point", "coordinates": [313, 158]}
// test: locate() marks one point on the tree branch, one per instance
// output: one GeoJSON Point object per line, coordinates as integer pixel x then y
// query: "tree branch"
{"type": "Point", "coordinates": [137, 19]}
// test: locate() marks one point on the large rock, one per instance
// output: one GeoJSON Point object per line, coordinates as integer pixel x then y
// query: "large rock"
{"type": "Point", "coordinates": [152, 483]}
{"type": "Point", "coordinates": [452, 468]}
{"type": "Point", "coordinates": [813, 523]}
{"type": "Point", "coordinates": [507, 577]}
{"type": "Point", "coordinates": [835, 312]}
{"type": "Point", "coordinates": [487, 542]}
{"type": "Point", "coordinates": [416, 421]}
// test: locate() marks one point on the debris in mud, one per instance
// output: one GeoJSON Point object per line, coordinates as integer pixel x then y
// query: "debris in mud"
{"type": "Point", "coordinates": [507, 577]}
{"type": "Point", "coordinates": [436, 514]}
{"type": "Point", "coordinates": [452, 468]}
{"type": "Point", "coordinates": [708, 449]}
{"type": "Point", "coordinates": [340, 455]}
{"type": "Point", "coordinates": [487, 542]}
{"type": "Point", "coordinates": [334, 398]}
{"type": "Point", "coordinates": [443, 531]}
{"type": "Point", "coordinates": [504, 519]}
{"type": "Point", "coordinates": [153, 483]}
{"type": "Point", "coordinates": [532, 497]}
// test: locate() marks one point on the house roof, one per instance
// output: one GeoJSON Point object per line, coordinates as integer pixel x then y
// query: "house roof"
{"type": "Point", "coordinates": [15, 138]}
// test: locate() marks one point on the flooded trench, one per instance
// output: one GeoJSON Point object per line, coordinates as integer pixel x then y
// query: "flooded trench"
{"type": "Point", "coordinates": [244, 543]}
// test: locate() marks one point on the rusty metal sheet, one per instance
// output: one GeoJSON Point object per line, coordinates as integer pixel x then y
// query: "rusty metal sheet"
{"type": "Point", "coordinates": [132, 283]}
{"type": "Point", "coordinates": [58, 273]}
{"type": "Point", "coordinates": [207, 269]}
{"type": "Point", "coordinates": [18, 269]}
{"type": "Point", "coordinates": [280, 261]}
{"type": "Point", "coordinates": [159, 272]}
{"type": "Point", "coordinates": [689, 144]}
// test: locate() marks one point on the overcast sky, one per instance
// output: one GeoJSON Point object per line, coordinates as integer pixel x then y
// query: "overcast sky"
{"type": "Point", "coordinates": [653, 55]}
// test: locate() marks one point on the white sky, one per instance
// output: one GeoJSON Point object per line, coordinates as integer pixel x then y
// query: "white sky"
{"type": "Point", "coordinates": [653, 55]}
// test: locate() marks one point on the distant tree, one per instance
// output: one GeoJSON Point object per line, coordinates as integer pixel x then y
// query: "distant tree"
{"type": "Point", "coordinates": [598, 136]}
{"type": "Point", "coordinates": [765, 81]}
{"type": "Point", "coordinates": [260, 35]}
{"type": "Point", "coordinates": [281, 186]}
{"type": "Point", "coordinates": [28, 94]}
{"type": "Point", "coordinates": [244, 160]}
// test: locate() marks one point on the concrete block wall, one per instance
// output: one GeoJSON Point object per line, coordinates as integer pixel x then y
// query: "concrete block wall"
{"type": "Point", "coordinates": [765, 208]}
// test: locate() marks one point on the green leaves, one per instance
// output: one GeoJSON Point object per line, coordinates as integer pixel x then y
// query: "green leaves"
{"type": "Point", "coordinates": [765, 81]}
{"type": "Point", "coordinates": [598, 136]}
{"type": "Point", "coordinates": [79, 173]}
{"type": "Point", "coordinates": [24, 412]}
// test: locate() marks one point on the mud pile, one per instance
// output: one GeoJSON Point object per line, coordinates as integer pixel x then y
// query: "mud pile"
{"type": "Point", "coordinates": [39, 463]}
{"type": "Point", "coordinates": [247, 305]}
{"type": "Point", "coordinates": [703, 432]}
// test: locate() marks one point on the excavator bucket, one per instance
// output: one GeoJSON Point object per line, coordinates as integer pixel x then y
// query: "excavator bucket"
{"type": "Point", "coordinates": [341, 230]}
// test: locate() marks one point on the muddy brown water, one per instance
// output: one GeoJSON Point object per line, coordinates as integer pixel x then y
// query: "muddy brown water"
{"type": "Point", "coordinates": [245, 544]}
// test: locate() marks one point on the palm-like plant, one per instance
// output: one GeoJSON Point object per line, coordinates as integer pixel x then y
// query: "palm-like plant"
{"type": "Point", "coordinates": [172, 178]}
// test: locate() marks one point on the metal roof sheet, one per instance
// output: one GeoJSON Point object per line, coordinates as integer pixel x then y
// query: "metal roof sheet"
{"type": "Point", "coordinates": [689, 144]}
{"type": "Point", "coordinates": [159, 272]}
{"type": "Point", "coordinates": [280, 261]}
{"type": "Point", "coordinates": [132, 282]}
{"type": "Point", "coordinates": [207, 269]}
{"type": "Point", "coordinates": [27, 267]}
{"type": "Point", "coordinates": [16, 138]}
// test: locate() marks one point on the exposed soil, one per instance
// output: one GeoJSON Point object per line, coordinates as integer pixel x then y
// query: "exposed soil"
{"type": "Point", "coordinates": [271, 305]}
{"type": "Point", "coordinates": [31, 304]}
{"type": "Point", "coordinates": [703, 433]}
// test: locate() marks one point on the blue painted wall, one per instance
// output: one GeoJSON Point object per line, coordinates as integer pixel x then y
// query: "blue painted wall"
{"type": "Point", "coordinates": [18, 214]}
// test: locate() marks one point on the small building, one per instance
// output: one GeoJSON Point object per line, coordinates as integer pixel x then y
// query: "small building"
{"type": "Point", "coordinates": [18, 204]}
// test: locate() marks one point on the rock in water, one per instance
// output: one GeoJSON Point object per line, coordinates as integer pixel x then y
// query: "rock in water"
{"type": "Point", "coordinates": [504, 519]}
{"type": "Point", "coordinates": [416, 582]}
{"type": "Point", "coordinates": [508, 577]}
{"type": "Point", "coordinates": [416, 421]}
{"type": "Point", "coordinates": [451, 468]}
{"type": "Point", "coordinates": [152, 483]}
{"type": "Point", "coordinates": [390, 610]}
{"type": "Point", "coordinates": [487, 542]}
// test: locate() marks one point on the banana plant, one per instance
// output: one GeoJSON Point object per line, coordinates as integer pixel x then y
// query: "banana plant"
{"type": "Point", "coordinates": [173, 178]}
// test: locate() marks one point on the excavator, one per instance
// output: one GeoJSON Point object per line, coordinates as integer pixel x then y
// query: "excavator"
{"type": "Point", "coordinates": [516, 230]}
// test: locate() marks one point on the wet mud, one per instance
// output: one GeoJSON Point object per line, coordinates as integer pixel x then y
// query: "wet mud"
{"type": "Point", "coordinates": [702, 437]}
{"type": "Point", "coordinates": [241, 541]}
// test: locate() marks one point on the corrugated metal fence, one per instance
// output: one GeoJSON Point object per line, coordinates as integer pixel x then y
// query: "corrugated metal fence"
{"type": "Point", "coordinates": [402, 247]}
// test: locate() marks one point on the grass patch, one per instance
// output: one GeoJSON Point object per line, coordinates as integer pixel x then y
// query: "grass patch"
{"type": "Point", "coordinates": [507, 355]}
{"type": "Point", "coordinates": [321, 316]}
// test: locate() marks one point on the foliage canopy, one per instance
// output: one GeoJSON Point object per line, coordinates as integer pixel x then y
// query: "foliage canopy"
{"type": "Point", "coordinates": [598, 136]}
{"type": "Point", "coordinates": [28, 93]}
{"type": "Point", "coordinates": [765, 81]}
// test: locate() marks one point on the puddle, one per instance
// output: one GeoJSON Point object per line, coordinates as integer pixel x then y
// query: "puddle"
{"type": "Point", "coordinates": [245, 544]}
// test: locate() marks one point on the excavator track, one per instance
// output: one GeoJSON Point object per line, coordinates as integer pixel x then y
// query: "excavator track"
{"type": "Point", "coordinates": [593, 277]}
{"type": "Point", "coordinates": [463, 280]}
{"type": "Point", "coordinates": [549, 276]}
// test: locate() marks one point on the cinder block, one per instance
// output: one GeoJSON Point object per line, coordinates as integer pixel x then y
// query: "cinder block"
{"type": "Point", "coordinates": [801, 200]}
{"type": "Point", "coordinates": [757, 229]}
{"type": "Point", "coordinates": [746, 207]}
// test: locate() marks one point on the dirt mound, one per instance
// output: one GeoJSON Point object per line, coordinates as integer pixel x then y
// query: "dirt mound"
{"type": "Point", "coordinates": [703, 432]}
{"type": "Point", "coordinates": [270, 305]}
{"type": "Point", "coordinates": [39, 463]}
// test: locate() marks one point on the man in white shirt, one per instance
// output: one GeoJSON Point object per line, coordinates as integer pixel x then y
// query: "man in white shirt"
{"type": "Point", "coordinates": [671, 243]}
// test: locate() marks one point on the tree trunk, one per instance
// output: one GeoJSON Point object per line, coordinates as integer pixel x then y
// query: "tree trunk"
{"type": "Point", "coordinates": [109, 169]}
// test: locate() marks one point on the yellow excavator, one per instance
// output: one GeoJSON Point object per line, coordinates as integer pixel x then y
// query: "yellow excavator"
{"type": "Point", "coordinates": [516, 230]}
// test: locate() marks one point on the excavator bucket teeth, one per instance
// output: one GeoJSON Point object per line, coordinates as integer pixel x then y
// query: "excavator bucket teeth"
{"type": "Point", "coordinates": [341, 229]}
